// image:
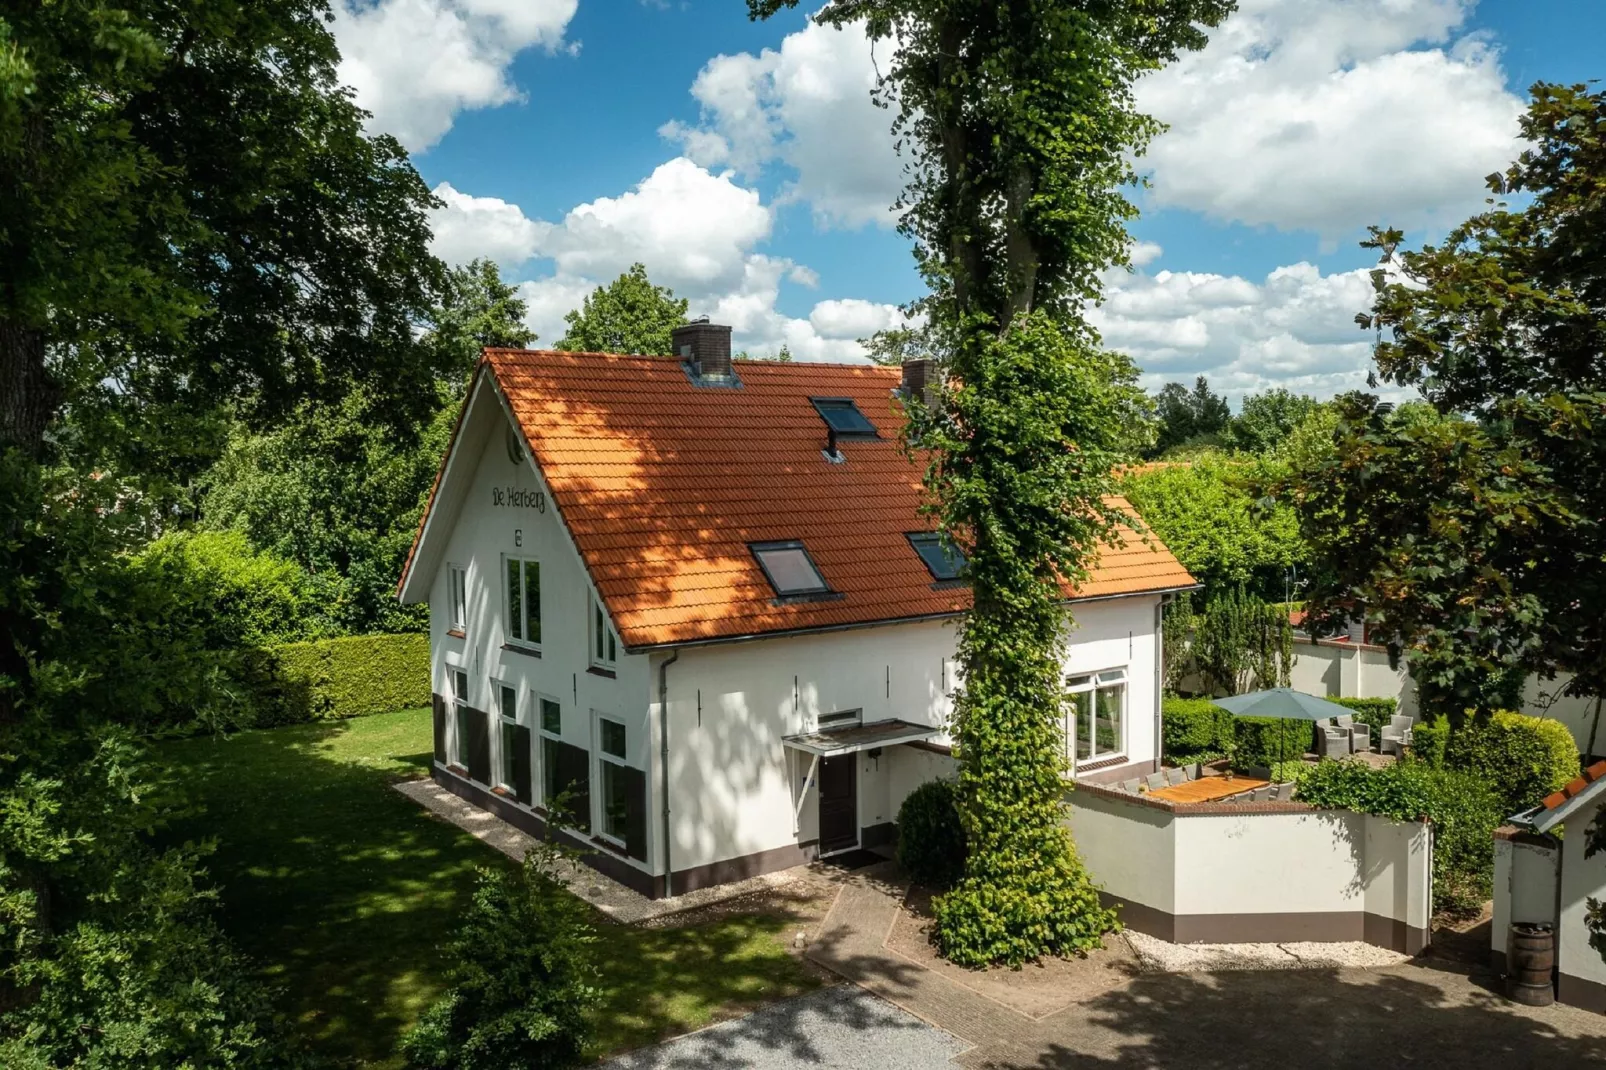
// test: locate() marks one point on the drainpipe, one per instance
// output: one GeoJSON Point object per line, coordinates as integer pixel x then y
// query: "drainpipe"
{"type": "Point", "coordinates": [1159, 670]}
{"type": "Point", "coordinates": [663, 761]}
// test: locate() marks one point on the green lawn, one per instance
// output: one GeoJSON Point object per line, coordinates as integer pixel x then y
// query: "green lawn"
{"type": "Point", "coordinates": [343, 890]}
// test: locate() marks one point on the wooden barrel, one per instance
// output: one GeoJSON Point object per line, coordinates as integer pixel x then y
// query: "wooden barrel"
{"type": "Point", "coordinates": [1533, 958]}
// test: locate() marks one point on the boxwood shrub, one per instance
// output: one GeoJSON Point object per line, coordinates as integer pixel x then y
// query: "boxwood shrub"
{"type": "Point", "coordinates": [1428, 740]}
{"type": "Point", "coordinates": [1193, 730]}
{"type": "Point", "coordinates": [1524, 758]}
{"type": "Point", "coordinates": [334, 678]}
{"type": "Point", "coordinates": [931, 841]}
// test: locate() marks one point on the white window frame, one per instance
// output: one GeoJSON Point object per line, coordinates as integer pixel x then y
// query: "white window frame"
{"type": "Point", "coordinates": [599, 793]}
{"type": "Point", "coordinates": [1115, 677]}
{"type": "Point", "coordinates": [604, 641]}
{"type": "Point", "coordinates": [538, 768]}
{"type": "Point", "coordinates": [457, 597]}
{"type": "Point", "coordinates": [499, 754]}
{"type": "Point", "coordinates": [460, 692]}
{"type": "Point", "coordinates": [522, 639]}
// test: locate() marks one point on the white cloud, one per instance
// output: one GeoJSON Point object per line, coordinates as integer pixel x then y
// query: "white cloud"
{"type": "Point", "coordinates": [1295, 328]}
{"type": "Point", "coordinates": [416, 63]}
{"type": "Point", "coordinates": [1326, 115]}
{"type": "Point", "coordinates": [467, 228]}
{"type": "Point", "coordinates": [806, 106]}
{"type": "Point", "coordinates": [696, 232]}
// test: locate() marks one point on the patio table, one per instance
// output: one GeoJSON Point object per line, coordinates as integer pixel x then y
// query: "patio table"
{"type": "Point", "coordinates": [1208, 789]}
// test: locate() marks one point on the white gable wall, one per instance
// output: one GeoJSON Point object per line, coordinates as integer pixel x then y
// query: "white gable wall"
{"type": "Point", "coordinates": [489, 527]}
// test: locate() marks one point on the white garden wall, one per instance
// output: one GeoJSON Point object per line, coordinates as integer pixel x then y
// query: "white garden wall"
{"type": "Point", "coordinates": [1581, 968]}
{"type": "Point", "coordinates": [1256, 872]}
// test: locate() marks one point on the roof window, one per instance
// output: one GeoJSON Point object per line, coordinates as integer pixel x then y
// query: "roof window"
{"type": "Point", "coordinates": [943, 558]}
{"type": "Point", "coordinates": [843, 417]}
{"type": "Point", "coordinates": [789, 568]}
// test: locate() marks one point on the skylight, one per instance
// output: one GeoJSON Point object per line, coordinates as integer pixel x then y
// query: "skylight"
{"type": "Point", "coordinates": [789, 568]}
{"type": "Point", "coordinates": [843, 416]}
{"type": "Point", "coordinates": [942, 557]}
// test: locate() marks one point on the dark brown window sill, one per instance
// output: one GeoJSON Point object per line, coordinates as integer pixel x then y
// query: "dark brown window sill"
{"type": "Point", "coordinates": [458, 769]}
{"type": "Point", "coordinates": [457, 633]}
{"type": "Point", "coordinates": [608, 673]}
{"type": "Point", "coordinates": [529, 652]}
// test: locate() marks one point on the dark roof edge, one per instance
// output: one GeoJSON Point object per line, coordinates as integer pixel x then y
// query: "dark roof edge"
{"type": "Point", "coordinates": [721, 640]}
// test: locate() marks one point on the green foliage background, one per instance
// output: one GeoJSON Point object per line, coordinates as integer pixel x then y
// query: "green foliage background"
{"type": "Point", "coordinates": [1523, 758]}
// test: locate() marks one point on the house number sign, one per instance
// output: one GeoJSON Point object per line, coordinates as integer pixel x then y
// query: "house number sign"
{"type": "Point", "coordinates": [518, 498]}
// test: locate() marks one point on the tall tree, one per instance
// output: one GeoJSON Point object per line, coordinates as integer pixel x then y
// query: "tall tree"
{"type": "Point", "coordinates": [337, 491]}
{"type": "Point", "coordinates": [193, 229]}
{"type": "Point", "coordinates": [629, 315]}
{"type": "Point", "coordinates": [1479, 544]}
{"type": "Point", "coordinates": [1190, 417]}
{"type": "Point", "coordinates": [1021, 126]}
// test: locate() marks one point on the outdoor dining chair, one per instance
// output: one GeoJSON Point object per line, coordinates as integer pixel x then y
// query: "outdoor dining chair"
{"type": "Point", "coordinates": [1175, 776]}
{"type": "Point", "coordinates": [1155, 781]}
{"type": "Point", "coordinates": [1130, 786]}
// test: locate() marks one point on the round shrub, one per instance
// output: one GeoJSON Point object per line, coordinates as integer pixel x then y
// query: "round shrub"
{"type": "Point", "coordinates": [931, 841]}
{"type": "Point", "coordinates": [1524, 758]}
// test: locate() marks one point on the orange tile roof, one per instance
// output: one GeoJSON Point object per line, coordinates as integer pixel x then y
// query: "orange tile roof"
{"type": "Point", "coordinates": [664, 483]}
{"type": "Point", "coordinates": [1576, 785]}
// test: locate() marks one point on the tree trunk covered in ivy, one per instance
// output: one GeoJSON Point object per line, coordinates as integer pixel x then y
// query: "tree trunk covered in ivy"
{"type": "Point", "coordinates": [1019, 121]}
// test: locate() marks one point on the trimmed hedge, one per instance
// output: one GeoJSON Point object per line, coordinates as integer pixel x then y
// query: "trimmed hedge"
{"type": "Point", "coordinates": [1428, 740]}
{"type": "Point", "coordinates": [931, 840]}
{"type": "Point", "coordinates": [1370, 711]}
{"type": "Point", "coordinates": [1523, 758]}
{"type": "Point", "coordinates": [1266, 741]}
{"type": "Point", "coordinates": [1194, 729]}
{"type": "Point", "coordinates": [328, 679]}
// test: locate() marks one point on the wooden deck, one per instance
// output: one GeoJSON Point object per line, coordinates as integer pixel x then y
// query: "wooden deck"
{"type": "Point", "coordinates": [1208, 789]}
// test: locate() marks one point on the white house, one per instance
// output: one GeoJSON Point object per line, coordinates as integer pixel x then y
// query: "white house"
{"type": "Point", "coordinates": [701, 597]}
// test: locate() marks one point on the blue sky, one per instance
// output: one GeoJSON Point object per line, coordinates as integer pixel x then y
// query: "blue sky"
{"type": "Point", "coordinates": [743, 163]}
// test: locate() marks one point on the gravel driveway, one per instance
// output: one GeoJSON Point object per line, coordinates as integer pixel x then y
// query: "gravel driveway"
{"type": "Point", "coordinates": [838, 1028]}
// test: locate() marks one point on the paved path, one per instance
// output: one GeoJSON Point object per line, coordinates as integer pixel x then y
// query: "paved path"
{"type": "Point", "coordinates": [840, 1028]}
{"type": "Point", "coordinates": [1413, 1015]}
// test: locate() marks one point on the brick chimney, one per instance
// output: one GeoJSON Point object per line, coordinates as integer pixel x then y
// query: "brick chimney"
{"type": "Point", "coordinates": [920, 380]}
{"type": "Point", "coordinates": [706, 348]}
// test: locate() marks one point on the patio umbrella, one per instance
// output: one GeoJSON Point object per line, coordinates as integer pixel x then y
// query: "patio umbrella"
{"type": "Point", "coordinates": [1283, 703]}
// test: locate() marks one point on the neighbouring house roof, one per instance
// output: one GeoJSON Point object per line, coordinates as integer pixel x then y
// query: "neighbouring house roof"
{"type": "Point", "coordinates": [665, 485]}
{"type": "Point", "coordinates": [1576, 795]}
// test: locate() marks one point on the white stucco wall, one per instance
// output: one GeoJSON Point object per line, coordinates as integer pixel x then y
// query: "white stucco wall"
{"type": "Point", "coordinates": [1581, 878]}
{"type": "Point", "coordinates": [1129, 850]}
{"type": "Point", "coordinates": [1350, 670]}
{"type": "Point", "coordinates": [735, 789]}
{"type": "Point", "coordinates": [1255, 862]}
{"type": "Point", "coordinates": [1268, 863]}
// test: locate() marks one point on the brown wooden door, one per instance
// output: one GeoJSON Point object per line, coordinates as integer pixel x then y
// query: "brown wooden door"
{"type": "Point", "coordinates": [839, 803]}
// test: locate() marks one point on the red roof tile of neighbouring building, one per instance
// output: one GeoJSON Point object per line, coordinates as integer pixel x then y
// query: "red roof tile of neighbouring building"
{"type": "Point", "coordinates": [1576, 785]}
{"type": "Point", "coordinates": [664, 483]}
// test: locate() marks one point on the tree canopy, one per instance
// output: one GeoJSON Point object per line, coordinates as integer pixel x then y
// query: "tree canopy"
{"type": "Point", "coordinates": [196, 236]}
{"type": "Point", "coordinates": [628, 315]}
{"type": "Point", "coordinates": [1478, 543]}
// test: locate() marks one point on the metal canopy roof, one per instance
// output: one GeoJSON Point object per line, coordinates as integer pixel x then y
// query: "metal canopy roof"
{"type": "Point", "coordinates": [850, 738]}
